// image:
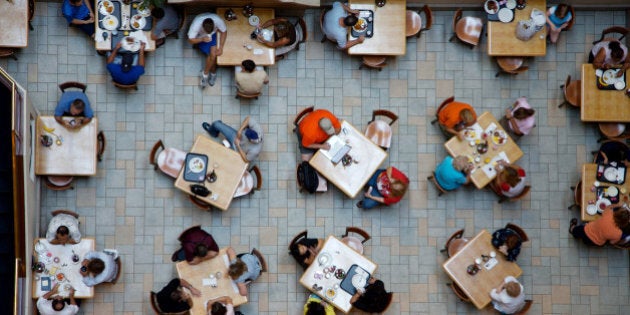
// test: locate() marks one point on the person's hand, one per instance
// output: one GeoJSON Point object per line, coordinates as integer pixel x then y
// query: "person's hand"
{"type": "Point", "coordinates": [72, 290]}
{"type": "Point", "coordinates": [470, 167]}
{"type": "Point", "coordinates": [460, 135]}
{"type": "Point", "coordinates": [508, 113]}
{"type": "Point", "coordinates": [219, 51]}
{"type": "Point", "coordinates": [326, 146]}
{"type": "Point", "coordinates": [361, 38]}
{"type": "Point", "coordinates": [237, 141]}
{"type": "Point", "coordinates": [55, 289]}
{"type": "Point", "coordinates": [368, 192]}
{"type": "Point", "coordinates": [143, 45]}
{"type": "Point", "coordinates": [620, 73]}
{"type": "Point", "coordinates": [503, 249]}
{"type": "Point", "coordinates": [118, 45]}
{"type": "Point", "coordinates": [194, 291]}
{"type": "Point", "coordinates": [563, 26]}
{"type": "Point", "coordinates": [355, 12]}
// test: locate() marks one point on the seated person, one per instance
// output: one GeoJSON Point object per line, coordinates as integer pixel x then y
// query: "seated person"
{"type": "Point", "coordinates": [608, 228]}
{"type": "Point", "coordinates": [455, 117]}
{"type": "Point", "coordinates": [316, 306]}
{"type": "Point", "coordinates": [507, 242]}
{"type": "Point", "coordinates": [613, 151]}
{"type": "Point", "coordinates": [203, 33]}
{"type": "Point", "coordinates": [508, 297]}
{"type": "Point", "coordinates": [610, 53]}
{"type": "Point", "coordinates": [373, 299]}
{"type": "Point", "coordinates": [336, 23]}
{"type": "Point", "coordinates": [123, 70]}
{"type": "Point", "coordinates": [452, 173]}
{"type": "Point", "coordinates": [313, 131]}
{"type": "Point", "coordinates": [74, 104]}
{"type": "Point", "coordinates": [305, 250]}
{"type": "Point", "coordinates": [63, 229]}
{"type": "Point", "coordinates": [249, 78]}
{"type": "Point", "coordinates": [79, 14]}
{"type": "Point", "coordinates": [520, 117]}
{"type": "Point", "coordinates": [98, 267]}
{"type": "Point", "coordinates": [558, 18]}
{"type": "Point", "coordinates": [285, 36]}
{"type": "Point", "coordinates": [197, 246]}
{"type": "Point", "coordinates": [510, 180]}
{"type": "Point", "coordinates": [220, 306]}
{"type": "Point", "coordinates": [247, 141]}
{"type": "Point", "coordinates": [173, 298]}
{"type": "Point", "coordinates": [49, 305]}
{"type": "Point", "coordinates": [386, 186]}
{"type": "Point", "coordinates": [167, 23]}
{"type": "Point", "coordinates": [243, 268]}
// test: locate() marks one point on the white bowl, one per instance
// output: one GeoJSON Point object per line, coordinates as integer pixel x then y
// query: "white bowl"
{"type": "Point", "coordinates": [485, 7]}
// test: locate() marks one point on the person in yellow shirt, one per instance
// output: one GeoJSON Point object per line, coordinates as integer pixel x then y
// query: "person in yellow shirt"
{"type": "Point", "coordinates": [315, 306]}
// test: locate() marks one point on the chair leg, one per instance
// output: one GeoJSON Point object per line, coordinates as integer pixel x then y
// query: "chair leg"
{"type": "Point", "coordinates": [452, 37]}
{"type": "Point", "coordinates": [323, 39]}
{"type": "Point", "coordinates": [497, 75]}
{"type": "Point", "coordinates": [563, 103]}
{"type": "Point", "coordinates": [434, 121]}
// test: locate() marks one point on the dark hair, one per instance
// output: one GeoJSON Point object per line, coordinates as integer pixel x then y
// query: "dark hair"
{"type": "Point", "coordinates": [285, 29]}
{"type": "Point", "coordinates": [201, 250]}
{"type": "Point", "coordinates": [615, 50]}
{"type": "Point", "coordinates": [127, 62]}
{"type": "Point", "coordinates": [58, 304]}
{"type": "Point", "coordinates": [176, 295]}
{"type": "Point", "coordinates": [510, 175]}
{"type": "Point", "coordinates": [157, 13]}
{"type": "Point", "coordinates": [208, 25]}
{"type": "Point", "coordinates": [249, 65]}
{"type": "Point", "coordinates": [63, 230]}
{"type": "Point", "coordinates": [522, 113]}
{"type": "Point", "coordinates": [78, 104]}
{"type": "Point", "coordinates": [237, 269]}
{"type": "Point", "coordinates": [75, 1]}
{"type": "Point", "coordinates": [314, 308]}
{"type": "Point", "coordinates": [350, 20]}
{"type": "Point", "coordinates": [96, 266]}
{"type": "Point", "coordinates": [218, 309]}
{"type": "Point", "coordinates": [294, 250]}
{"type": "Point", "coordinates": [512, 241]}
{"type": "Point", "coordinates": [621, 217]}
{"type": "Point", "coordinates": [561, 10]}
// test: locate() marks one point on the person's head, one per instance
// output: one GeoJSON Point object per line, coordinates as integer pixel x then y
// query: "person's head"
{"type": "Point", "coordinates": [252, 136]}
{"type": "Point", "coordinates": [512, 241]}
{"type": "Point", "coordinates": [63, 234]}
{"type": "Point", "coordinates": [76, 3]}
{"type": "Point", "coordinates": [522, 113]}
{"type": "Point", "coordinates": [218, 309]}
{"type": "Point", "coordinates": [179, 295]}
{"type": "Point", "coordinates": [561, 10]}
{"type": "Point", "coordinates": [95, 266]}
{"type": "Point", "coordinates": [621, 217]}
{"type": "Point", "coordinates": [510, 176]}
{"type": "Point", "coordinates": [237, 269]}
{"type": "Point", "coordinates": [350, 20]}
{"type": "Point", "coordinates": [327, 126]}
{"type": "Point", "coordinates": [248, 65]}
{"type": "Point", "coordinates": [157, 13]}
{"type": "Point", "coordinates": [460, 163]}
{"type": "Point", "coordinates": [616, 52]}
{"type": "Point", "coordinates": [200, 250]}
{"type": "Point", "coordinates": [315, 308]}
{"type": "Point", "coordinates": [208, 25]}
{"type": "Point", "coordinates": [398, 188]}
{"type": "Point", "coordinates": [77, 107]}
{"type": "Point", "coordinates": [58, 303]}
{"type": "Point", "coordinates": [127, 62]}
{"type": "Point", "coordinates": [513, 289]}
{"type": "Point", "coordinates": [283, 29]}
{"type": "Point", "coordinates": [467, 117]}
{"type": "Point", "coordinates": [300, 252]}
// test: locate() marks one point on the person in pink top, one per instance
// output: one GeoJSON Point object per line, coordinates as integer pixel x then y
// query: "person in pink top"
{"type": "Point", "coordinates": [387, 186]}
{"type": "Point", "coordinates": [520, 117]}
{"type": "Point", "coordinates": [608, 228]}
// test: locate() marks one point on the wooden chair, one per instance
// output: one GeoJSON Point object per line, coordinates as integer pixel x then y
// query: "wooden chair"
{"type": "Point", "coordinates": [72, 84]}
{"type": "Point", "coordinates": [301, 25]}
{"type": "Point", "coordinates": [518, 230]}
{"type": "Point", "coordinates": [609, 131]}
{"type": "Point", "coordinates": [414, 21]}
{"type": "Point", "coordinates": [126, 86]}
{"type": "Point", "coordinates": [442, 106]}
{"type": "Point", "coordinates": [301, 115]}
{"type": "Point", "coordinates": [8, 52]}
{"type": "Point", "coordinates": [511, 65]}
{"type": "Point", "coordinates": [374, 62]}
{"type": "Point", "coordinates": [261, 259]}
{"type": "Point", "coordinates": [577, 195]}
{"type": "Point", "coordinates": [379, 131]}
{"type": "Point", "coordinates": [441, 190]}
{"type": "Point", "coordinates": [58, 183]}
{"type": "Point", "coordinates": [297, 238]}
{"type": "Point", "coordinates": [467, 29]}
{"type": "Point", "coordinates": [454, 243]}
{"type": "Point", "coordinates": [623, 243]}
{"type": "Point", "coordinates": [520, 196]}
{"type": "Point", "coordinates": [526, 307]}
{"type": "Point", "coordinates": [572, 21]}
{"type": "Point", "coordinates": [200, 203]}
{"type": "Point", "coordinates": [459, 292]}
{"type": "Point", "coordinates": [246, 185]}
{"type": "Point", "coordinates": [611, 32]}
{"type": "Point", "coordinates": [63, 211]}
{"type": "Point", "coordinates": [353, 241]}
{"type": "Point", "coordinates": [118, 272]}
{"type": "Point", "coordinates": [240, 94]}
{"type": "Point", "coordinates": [102, 142]}
{"type": "Point", "coordinates": [170, 160]}
{"type": "Point", "coordinates": [572, 91]}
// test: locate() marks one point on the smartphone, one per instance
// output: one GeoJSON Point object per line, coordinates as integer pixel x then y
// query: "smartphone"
{"type": "Point", "coordinates": [45, 284]}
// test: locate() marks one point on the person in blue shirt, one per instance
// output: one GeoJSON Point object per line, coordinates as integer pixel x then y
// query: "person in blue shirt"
{"type": "Point", "coordinates": [125, 72]}
{"type": "Point", "coordinates": [79, 14]}
{"type": "Point", "coordinates": [74, 104]}
{"type": "Point", "coordinates": [452, 173]}
{"type": "Point", "coordinates": [558, 18]}
{"type": "Point", "coordinates": [243, 268]}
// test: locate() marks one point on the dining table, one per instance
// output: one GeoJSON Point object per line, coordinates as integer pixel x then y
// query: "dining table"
{"type": "Point", "coordinates": [598, 105]}
{"type": "Point", "coordinates": [73, 152]}
{"type": "Point", "coordinates": [591, 186]}
{"type": "Point", "coordinates": [502, 41]}
{"type": "Point", "coordinates": [14, 23]}
{"type": "Point", "coordinates": [125, 16]}
{"type": "Point", "coordinates": [240, 46]}
{"type": "Point", "coordinates": [490, 272]}
{"type": "Point", "coordinates": [228, 167]}
{"type": "Point", "coordinates": [366, 158]}
{"type": "Point", "coordinates": [58, 265]}
{"type": "Point", "coordinates": [500, 147]}
{"type": "Point", "coordinates": [323, 278]}
{"type": "Point", "coordinates": [202, 276]}
{"type": "Point", "coordinates": [388, 34]}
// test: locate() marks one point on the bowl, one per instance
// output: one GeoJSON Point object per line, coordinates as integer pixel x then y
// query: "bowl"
{"type": "Point", "coordinates": [491, 6]}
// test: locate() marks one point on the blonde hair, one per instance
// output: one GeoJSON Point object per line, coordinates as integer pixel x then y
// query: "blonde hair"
{"type": "Point", "coordinates": [460, 163]}
{"type": "Point", "coordinates": [237, 269]}
{"type": "Point", "coordinates": [467, 116]}
{"type": "Point", "coordinates": [397, 187]}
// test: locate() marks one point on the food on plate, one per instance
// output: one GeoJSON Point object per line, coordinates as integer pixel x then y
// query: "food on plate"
{"type": "Point", "coordinates": [137, 17]}
{"type": "Point", "coordinates": [499, 137]}
{"type": "Point", "coordinates": [60, 276]}
{"type": "Point", "coordinates": [330, 293]}
{"type": "Point", "coordinates": [136, 25]}
{"type": "Point", "coordinates": [360, 25]}
{"type": "Point", "coordinates": [130, 40]}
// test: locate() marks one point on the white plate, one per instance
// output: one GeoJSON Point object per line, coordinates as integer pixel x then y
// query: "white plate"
{"type": "Point", "coordinates": [144, 12]}
{"type": "Point", "coordinates": [485, 7]}
{"type": "Point", "coordinates": [330, 293]}
{"type": "Point", "coordinates": [470, 134]}
{"type": "Point", "coordinates": [106, 7]}
{"type": "Point", "coordinates": [610, 174]}
{"type": "Point", "coordinates": [359, 281]}
{"type": "Point", "coordinates": [610, 76]}
{"type": "Point", "coordinates": [506, 15]}
{"type": "Point", "coordinates": [137, 22]}
{"type": "Point", "coordinates": [196, 165]}
{"type": "Point", "coordinates": [511, 4]}
{"type": "Point", "coordinates": [600, 202]}
{"type": "Point", "coordinates": [324, 259]}
{"type": "Point", "coordinates": [134, 46]}
{"type": "Point", "coordinates": [612, 191]}
{"type": "Point", "coordinates": [110, 22]}
{"type": "Point", "coordinates": [620, 85]}
{"type": "Point", "coordinates": [254, 20]}
{"type": "Point", "coordinates": [267, 34]}
{"type": "Point", "coordinates": [499, 137]}
{"type": "Point", "coordinates": [361, 25]}
{"type": "Point", "coordinates": [591, 209]}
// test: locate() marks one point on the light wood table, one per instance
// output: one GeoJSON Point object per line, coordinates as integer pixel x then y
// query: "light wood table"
{"type": "Point", "coordinates": [589, 176]}
{"type": "Point", "coordinates": [230, 170]}
{"type": "Point", "coordinates": [502, 39]}
{"type": "Point", "coordinates": [343, 257]}
{"type": "Point", "coordinates": [106, 45]}
{"type": "Point", "coordinates": [238, 36]}
{"type": "Point", "coordinates": [602, 105]}
{"type": "Point", "coordinates": [389, 29]}
{"type": "Point", "coordinates": [76, 156]}
{"type": "Point", "coordinates": [65, 265]}
{"type": "Point", "coordinates": [456, 147]}
{"type": "Point", "coordinates": [477, 287]}
{"type": "Point", "coordinates": [14, 23]}
{"type": "Point", "coordinates": [195, 274]}
{"type": "Point", "coordinates": [351, 179]}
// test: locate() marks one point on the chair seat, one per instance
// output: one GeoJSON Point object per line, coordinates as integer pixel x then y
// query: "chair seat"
{"type": "Point", "coordinates": [413, 24]}
{"type": "Point", "coordinates": [380, 133]}
{"type": "Point", "coordinates": [468, 29]}
{"type": "Point", "coordinates": [245, 186]}
{"type": "Point", "coordinates": [612, 130]}
{"type": "Point", "coordinates": [322, 183]}
{"type": "Point", "coordinates": [574, 92]}
{"type": "Point", "coordinates": [354, 243]}
{"type": "Point", "coordinates": [374, 61]}
{"type": "Point", "coordinates": [170, 161]}
{"type": "Point", "coordinates": [455, 245]}
{"type": "Point", "coordinates": [60, 180]}
{"type": "Point", "coordinates": [509, 64]}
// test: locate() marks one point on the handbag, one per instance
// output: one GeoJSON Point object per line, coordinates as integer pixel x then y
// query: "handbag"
{"type": "Point", "coordinates": [525, 30]}
{"type": "Point", "coordinates": [199, 190]}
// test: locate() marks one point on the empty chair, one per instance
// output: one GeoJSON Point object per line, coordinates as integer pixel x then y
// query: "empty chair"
{"type": "Point", "coordinates": [414, 21]}
{"type": "Point", "coordinates": [611, 131]}
{"type": "Point", "coordinates": [169, 160]}
{"type": "Point", "coordinates": [572, 91]}
{"type": "Point", "coordinates": [246, 185]}
{"type": "Point", "coordinates": [440, 189]}
{"type": "Point", "coordinates": [577, 195]}
{"type": "Point", "coordinates": [618, 32]}
{"type": "Point", "coordinates": [454, 243]}
{"type": "Point", "coordinates": [8, 52]}
{"type": "Point", "coordinates": [511, 65]}
{"type": "Point", "coordinates": [467, 29]}
{"type": "Point", "coordinates": [58, 182]}
{"type": "Point", "coordinates": [353, 241]}
{"type": "Point", "coordinates": [459, 292]}
{"type": "Point", "coordinates": [380, 131]}
{"type": "Point", "coordinates": [374, 62]}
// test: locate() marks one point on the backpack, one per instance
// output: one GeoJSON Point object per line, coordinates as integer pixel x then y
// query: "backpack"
{"type": "Point", "coordinates": [307, 177]}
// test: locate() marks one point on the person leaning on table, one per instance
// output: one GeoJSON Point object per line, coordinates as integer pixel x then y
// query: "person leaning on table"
{"type": "Point", "coordinates": [316, 306]}
{"type": "Point", "coordinates": [386, 186]}
{"type": "Point", "coordinates": [125, 72]}
{"type": "Point", "coordinates": [373, 299]}
{"type": "Point", "coordinates": [98, 267]}
{"type": "Point", "coordinates": [508, 297]}
{"type": "Point", "coordinates": [608, 228]}
{"type": "Point", "coordinates": [49, 305]}
{"type": "Point", "coordinates": [63, 229]}
{"type": "Point", "coordinates": [521, 119]}
{"type": "Point", "coordinates": [610, 53]}
{"type": "Point", "coordinates": [453, 173]}
{"type": "Point", "coordinates": [336, 23]}
{"type": "Point", "coordinates": [455, 117]}
{"type": "Point", "coordinates": [173, 298]}
{"type": "Point", "coordinates": [74, 104]}
{"type": "Point", "coordinates": [313, 131]}
{"type": "Point", "coordinates": [197, 246]}
{"type": "Point", "coordinates": [243, 268]}
{"type": "Point", "coordinates": [305, 250]}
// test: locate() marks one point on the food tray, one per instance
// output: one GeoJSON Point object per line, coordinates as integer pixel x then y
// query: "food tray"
{"type": "Point", "coordinates": [116, 14]}
{"type": "Point", "coordinates": [346, 284]}
{"type": "Point", "coordinates": [148, 19]}
{"type": "Point", "coordinates": [600, 175]}
{"type": "Point", "coordinates": [368, 32]}
{"type": "Point", "coordinates": [189, 174]}
{"type": "Point", "coordinates": [604, 86]}
{"type": "Point", "coordinates": [601, 194]}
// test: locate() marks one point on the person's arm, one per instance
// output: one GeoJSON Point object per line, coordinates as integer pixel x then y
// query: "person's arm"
{"type": "Point", "coordinates": [52, 292]}
{"type": "Point", "coordinates": [223, 36]}
{"type": "Point", "coordinates": [72, 300]}
{"type": "Point", "coordinates": [231, 253]}
{"type": "Point", "coordinates": [89, 6]}
{"type": "Point", "coordinates": [242, 288]}
{"type": "Point", "coordinates": [599, 62]}
{"type": "Point", "coordinates": [141, 55]}
{"type": "Point", "coordinates": [195, 261]}
{"type": "Point", "coordinates": [84, 121]}
{"type": "Point", "coordinates": [353, 42]}
{"type": "Point", "coordinates": [551, 25]}
{"type": "Point", "coordinates": [355, 297]}
{"type": "Point", "coordinates": [189, 286]}
{"type": "Point", "coordinates": [278, 43]}
{"type": "Point", "coordinates": [273, 22]}
{"type": "Point", "coordinates": [512, 121]}
{"type": "Point", "coordinates": [112, 56]}
{"type": "Point", "coordinates": [368, 194]}
{"type": "Point", "coordinates": [315, 146]}
{"type": "Point", "coordinates": [347, 9]}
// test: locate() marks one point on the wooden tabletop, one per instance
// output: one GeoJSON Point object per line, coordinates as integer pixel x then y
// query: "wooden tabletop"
{"type": "Point", "coordinates": [76, 156]}
{"type": "Point", "coordinates": [14, 23]}
{"type": "Point", "coordinates": [195, 274]}
{"type": "Point", "coordinates": [106, 45]}
{"type": "Point", "coordinates": [231, 168]}
{"type": "Point", "coordinates": [589, 176]}
{"type": "Point", "coordinates": [343, 257]}
{"type": "Point", "coordinates": [477, 287]}
{"type": "Point", "coordinates": [351, 179]}
{"type": "Point", "coordinates": [602, 105]}
{"type": "Point", "coordinates": [238, 36]}
{"type": "Point", "coordinates": [389, 29]}
{"type": "Point", "coordinates": [502, 39]}
{"type": "Point", "coordinates": [456, 147]}
{"type": "Point", "coordinates": [65, 266]}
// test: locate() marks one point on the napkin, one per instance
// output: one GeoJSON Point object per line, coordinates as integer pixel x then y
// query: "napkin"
{"type": "Point", "coordinates": [490, 128]}
{"type": "Point", "coordinates": [140, 36]}
{"type": "Point", "coordinates": [98, 36]}
{"type": "Point", "coordinates": [489, 170]}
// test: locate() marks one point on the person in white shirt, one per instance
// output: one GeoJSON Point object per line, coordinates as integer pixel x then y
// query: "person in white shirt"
{"type": "Point", "coordinates": [203, 32]}
{"type": "Point", "coordinates": [220, 306]}
{"type": "Point", "coordinates": [508, 297]}
{"type": "Point", "coordinates": [56, 306]}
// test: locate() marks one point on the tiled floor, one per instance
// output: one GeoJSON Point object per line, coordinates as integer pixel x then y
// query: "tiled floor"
{"type": "Point", "coordinates": [130, 207]}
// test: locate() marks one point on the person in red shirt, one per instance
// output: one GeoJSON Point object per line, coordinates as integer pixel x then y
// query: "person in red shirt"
{"type": "Point", "coordinates": [510, 180]}
{"type": "Point", "coordinates": [197, 246]}
{"type": "Point", "coordinates": [387, 186]}
{"type": "Point", "coordinates": [313, 131]}
{"type": "Point", "coordinates": [455, 117]}
{"type": "Point", "coordinates": [608, 228]}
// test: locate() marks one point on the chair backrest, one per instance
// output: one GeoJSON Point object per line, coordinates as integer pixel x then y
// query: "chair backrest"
{"type": "Point", "coordinates": [456, 235]}
{"type": "Point", "coordinates": [58, 183]}
{"type": "Point", "coordinates": [259, 179]}
{"type": "Point", "coordinates": [456, 17]}
{"type": "Point", "coordinates": [383, 112]}
{"type": "Point", "coordinates": [566, 86]}
{"type": "Point", "coordinates": [119, 272]}
{"type": "Point", "coordinates": [68, 212]}
{"type": "Point", "coordinates": [102, 142]}
{"type": "Point", "coordinates": [572, 21]}
{"type": "Point", "coordinates": [520, 196]}
{"type": "Point", "coordinates": [154, 303]}
{"type": "Point", "coordinates": [240, 94]}
{"type": "Point", "coordinates": [459, 292]}
{"type": "Point", "coordinates": [304, 29]}
{"type": "Point", "coordinates": [518, 230]}
{"type": "Point", "coordinates": [526, 307]}
{"type": "Point", "coordinates": [72, 84]}
{"type": "Point", "coordinates": [433, 180]}
{"type": "Point", "coordinates": [428, 17]}
{"type": "Point", "coordinates": [444, 104]}
{"type": "Point", "coordinates": [261, 259]}
{"type": "Point", "coordinates": [611, 31]}
{"type": "Point", "coordinates": [577, 193]}
{"type": "Point", "coordinates": [297, 238]}
{"type": "Point", "coordinates": [126, 86]}
{"type": "Point", "coordinates": [303, 113]}
{"type": "Point", "coordinates": [199, 203]}
{"type": "Point", "coordinates": [353, 229]}
{"type": "Point", "coordinates": [153, 155]}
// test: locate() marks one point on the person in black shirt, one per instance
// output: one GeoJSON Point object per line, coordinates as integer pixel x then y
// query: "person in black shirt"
{"type": "Point", "coordinates": [172, 298]}
{"type": "Point", "coordinates": [374, 298]}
